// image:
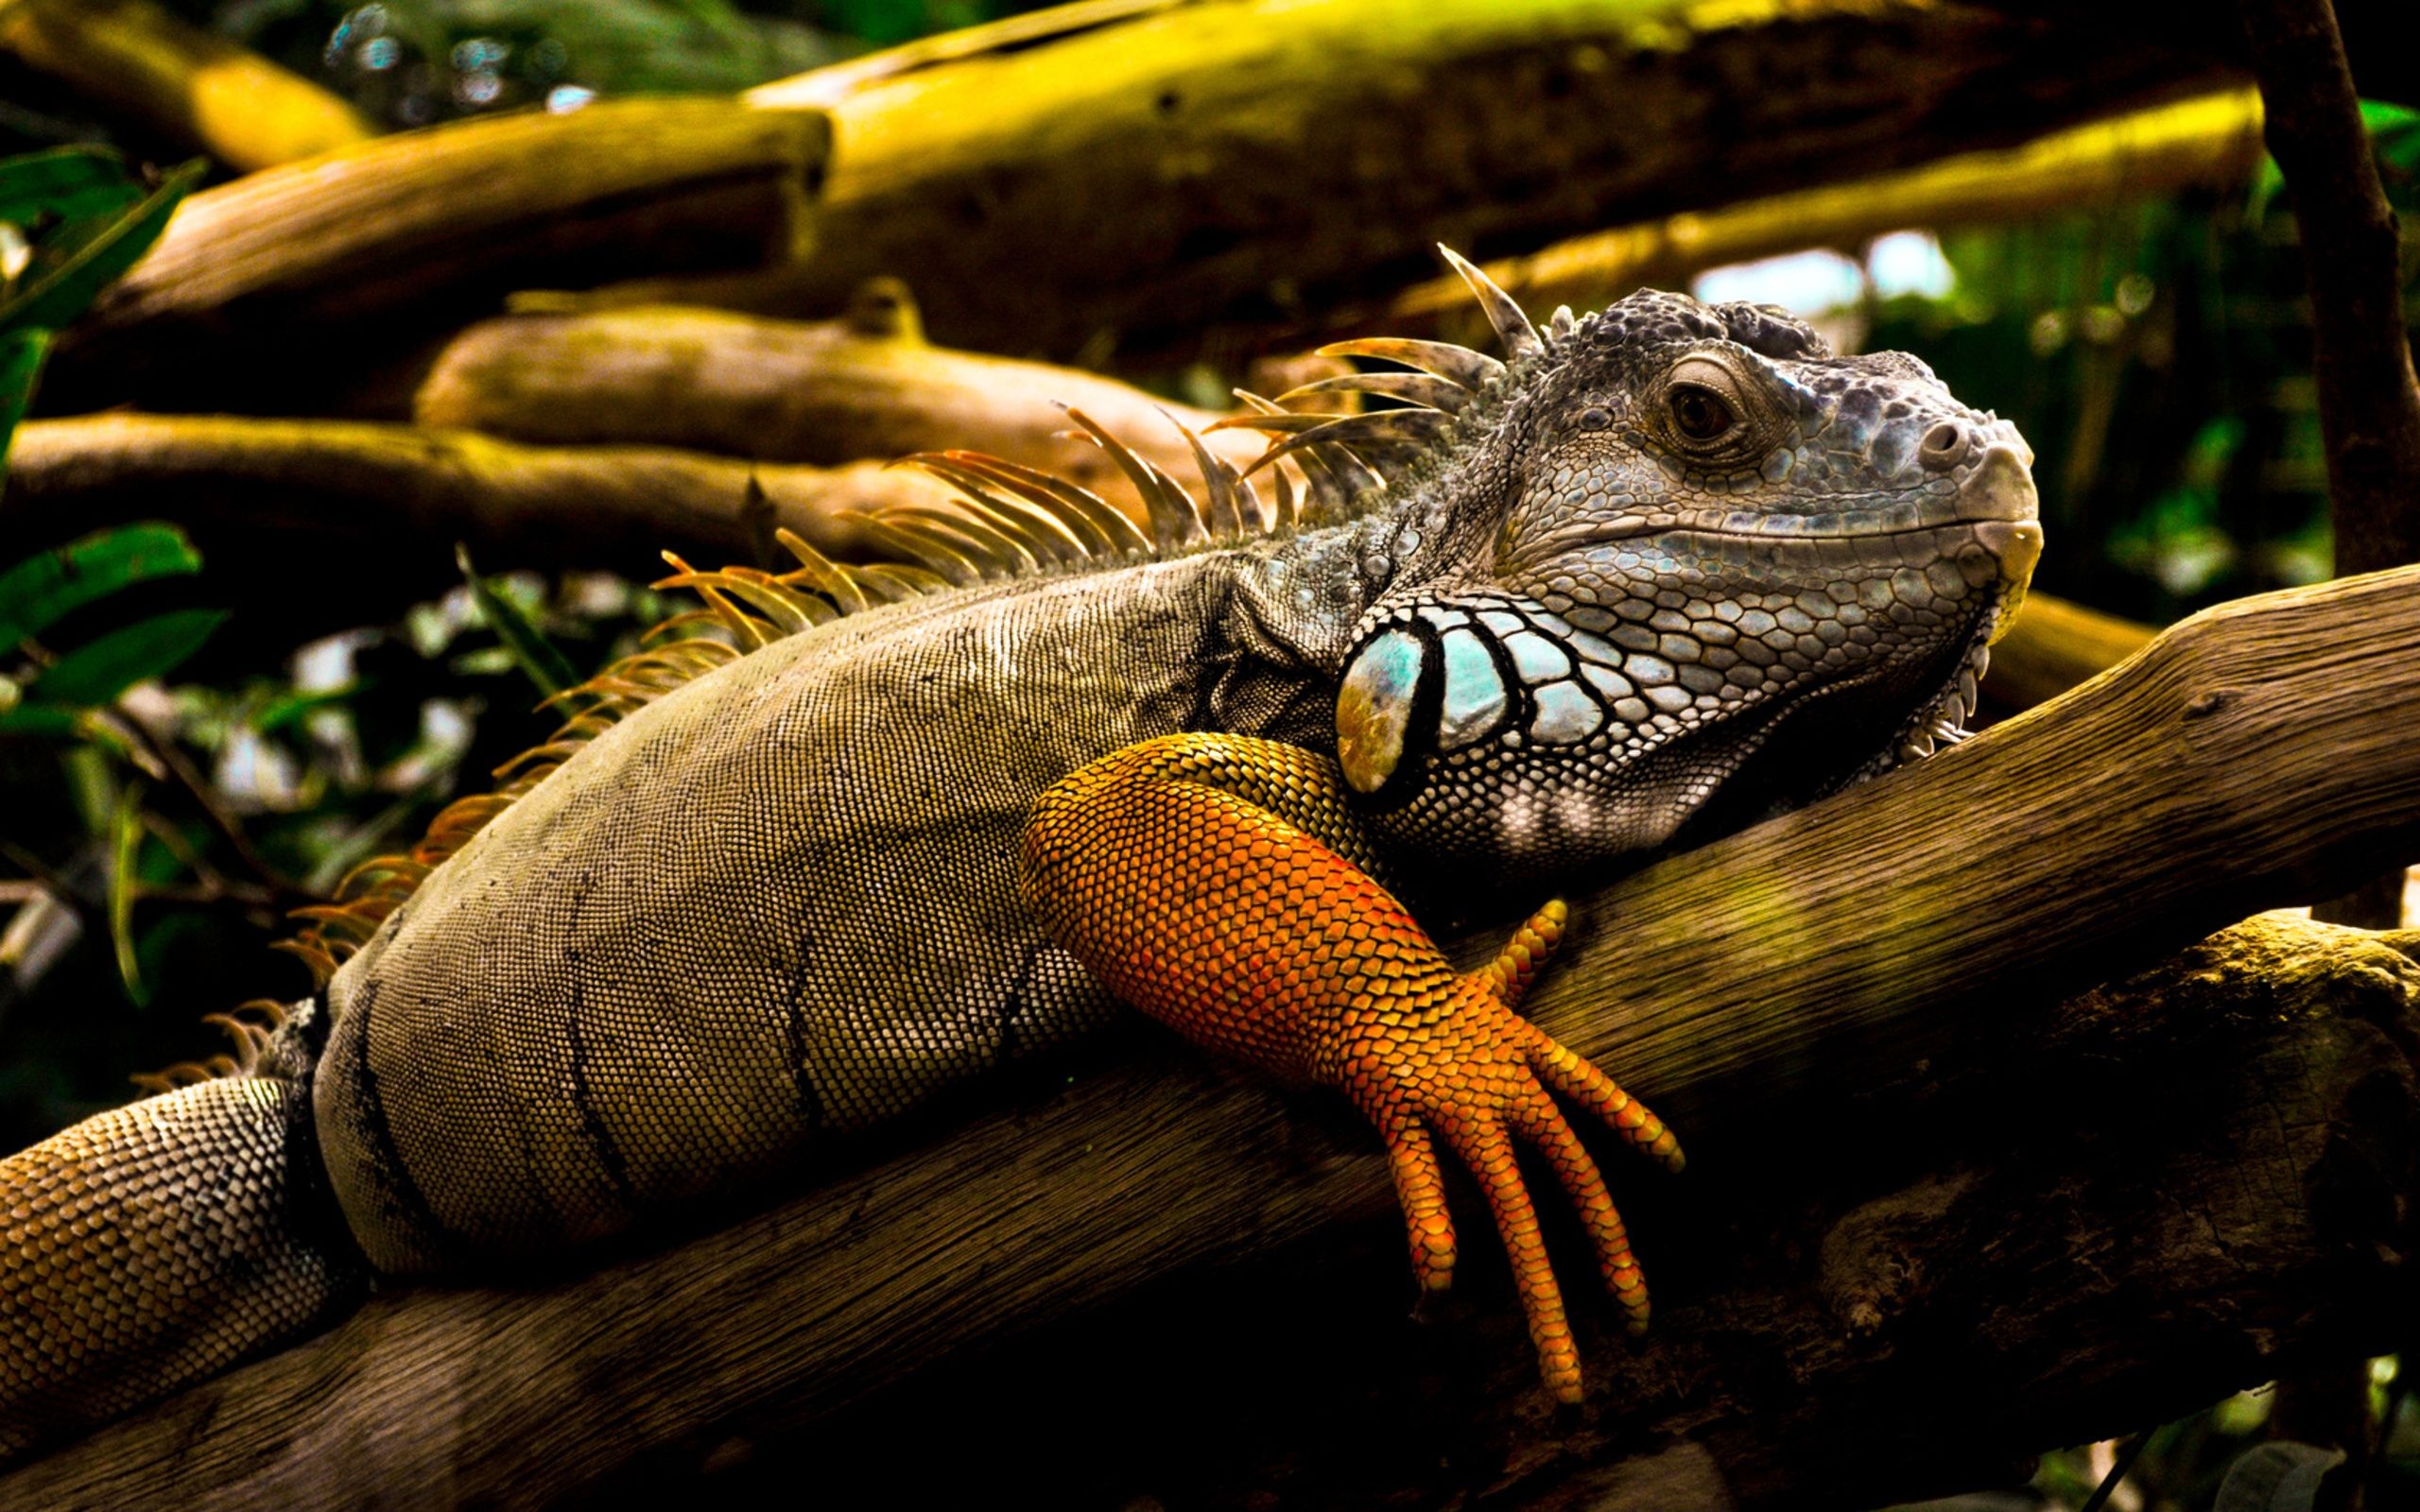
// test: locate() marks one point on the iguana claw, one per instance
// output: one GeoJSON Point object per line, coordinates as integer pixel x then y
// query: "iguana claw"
{"type": "Point", "coordinates": [1462, 1063]}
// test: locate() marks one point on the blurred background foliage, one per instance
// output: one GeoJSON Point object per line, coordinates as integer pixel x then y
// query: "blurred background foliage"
{"type": "Point", "coordinates": [409, 63]}
{"type": "Point", "coordinates": [168, 804]}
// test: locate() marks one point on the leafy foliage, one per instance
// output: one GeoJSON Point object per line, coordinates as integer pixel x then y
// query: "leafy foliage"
{"type": "Point", "coordinates": [71, 220]}
{"type": "Point", "coordinates": [166, 829]}
{"type": "Point", "coordinates": [77, 254]}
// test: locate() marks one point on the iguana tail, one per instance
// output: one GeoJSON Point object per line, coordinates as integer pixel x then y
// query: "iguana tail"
{"type": "Point", "coordinates": [157, 1243]}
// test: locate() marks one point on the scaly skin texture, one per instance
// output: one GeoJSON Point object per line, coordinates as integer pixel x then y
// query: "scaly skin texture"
{"type": "Point", "coordinates": [114, 1262]}
{"type": "Point", "coordinates": [1188, 873]}
{"type": "Point", "coordinates": [1675, 565]}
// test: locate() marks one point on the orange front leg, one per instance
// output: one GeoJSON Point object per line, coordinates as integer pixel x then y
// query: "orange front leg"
{"type": "Point", "coordinates": [1199, 877]}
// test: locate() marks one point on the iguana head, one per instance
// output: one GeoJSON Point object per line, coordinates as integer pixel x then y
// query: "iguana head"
{"type": "Point", "coordinates": [1673, 553]}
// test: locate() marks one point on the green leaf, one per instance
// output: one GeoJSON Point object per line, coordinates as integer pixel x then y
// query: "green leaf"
{"type": "Point", "coordinates": [57, 721]}
{"type": "Point", "coordinates": [98, 671]}
{"type": "Point", "coordinates": [72, 184]}
{"type": "Point", "coordinates": [75, 263]}
{"type": "Point", "coordinates": [2382, 115]}
{"type": "Point", "coordinates": [38, 591]}
{"type": "Point", "coordinates": [21, 354]}
{"type": "Point", "coordinates": [536, 656]}
{"type": "Point", "coordinates": [126, 838]}
{"type": "Point", "coordinates": [2395, 135]}
{"type": "Point", "coordinates": [2279, 1476]}
{"type": "Point", "coordinates": [291, 708]}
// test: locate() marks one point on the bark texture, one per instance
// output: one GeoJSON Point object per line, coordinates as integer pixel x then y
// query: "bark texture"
{"type": "Point", "coordinates": [1779, 994]}
{"type": "Point", "coordinates": [866, 387]}
{"type": "Point", "coordinates": [2115, 1208]}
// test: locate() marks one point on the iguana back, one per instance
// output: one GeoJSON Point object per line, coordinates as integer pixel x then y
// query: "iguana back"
{"type": "Point", "coordinates": [777, 903]}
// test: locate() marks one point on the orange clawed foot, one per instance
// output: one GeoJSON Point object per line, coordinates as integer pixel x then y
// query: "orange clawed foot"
{"type": "Point", "coordinates": [1206, 880]}
{"type": "Point", "coordinates": [1460, 1065]}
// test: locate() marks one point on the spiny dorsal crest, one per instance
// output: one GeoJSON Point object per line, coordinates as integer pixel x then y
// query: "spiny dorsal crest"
{"type": "Point", "coordinates": [1010, 521]}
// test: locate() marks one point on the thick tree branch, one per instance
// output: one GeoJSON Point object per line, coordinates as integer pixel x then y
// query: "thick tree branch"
{"type": "Point", "coordinates": [865, 388]}
{"type": "Point", "coordinates": [2126, 1205]}
{"type": "Point", "coordinates": [2250, 755]}
{"type": "Point", "coordinates": [264, 288]}
{"type": "Point", "coordinates": [1139, 177]}
{"type": "Point", "coordinates": [349, 500]}
{"type": "Point", "coordinates": [2210, 140]}
{"type": "Point", "coordinates": [196, 88]}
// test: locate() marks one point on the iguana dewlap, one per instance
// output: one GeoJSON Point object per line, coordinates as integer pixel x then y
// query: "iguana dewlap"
{"type": "Point", "coordinates": [912, 823]}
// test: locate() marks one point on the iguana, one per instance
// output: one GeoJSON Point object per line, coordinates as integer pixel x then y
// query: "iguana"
{"type": "Point", "coordinates": [901, 824]}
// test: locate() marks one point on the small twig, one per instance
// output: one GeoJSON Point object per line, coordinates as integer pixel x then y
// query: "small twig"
{"type": "Point", "coordinates": [2127, 1454]}
{"type": "Point", "coordinates": [46, 879]}
{"type": "Point", "coordinates": [199, 789]}
{"type": "Point", "coordinates": [25, 889]}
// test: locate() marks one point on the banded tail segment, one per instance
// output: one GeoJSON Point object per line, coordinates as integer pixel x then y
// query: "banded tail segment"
{"type": "Point", "coordinates": [157, 1243]}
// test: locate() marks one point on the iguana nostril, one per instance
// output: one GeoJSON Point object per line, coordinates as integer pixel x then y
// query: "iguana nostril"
{"type": "Point", "coordinates": [1945, 446]}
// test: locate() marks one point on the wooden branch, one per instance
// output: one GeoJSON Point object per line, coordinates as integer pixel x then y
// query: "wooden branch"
{"type": "Point", "coordinates": [2112, 1210]}
{"type": "Point", "coordinates": [1136, 173]}
{"type": "Point", "coordinates": [194, 88]}
{"type": "Point", "coordinates": [2210, 140]}
{"type": "Point", "coordinates": [2369, 398]}
{"type": "Point", "coordinates": [866, 387]}
{"type": "Point", "coordinates": [2250, 756]}
{"type": "Point", "coordinates": [263, 288]}
{"type": "Point", "coordinates": [311, 525]}
{"type": "Point", "coordinates": [2052, 645]}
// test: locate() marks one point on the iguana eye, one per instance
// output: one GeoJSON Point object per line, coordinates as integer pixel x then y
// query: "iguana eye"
{"type": "Point", "coordinates": [1701, 414]}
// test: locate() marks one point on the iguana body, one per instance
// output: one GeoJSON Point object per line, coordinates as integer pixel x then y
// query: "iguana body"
{"type": "Point", "coordinates": [1674, 548]}
{"type": "Point", "coordinates": [829, 930]}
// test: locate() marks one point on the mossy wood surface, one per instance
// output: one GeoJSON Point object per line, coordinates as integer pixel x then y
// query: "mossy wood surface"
{"type": "Point", "coordinates": [794, 391]}
{"type": "Point", "coordinates": [198, 90]}
{"type": "Point", "coordinates": [277, 290]}
{"type": "Point", "coordinates": [1141, 175]}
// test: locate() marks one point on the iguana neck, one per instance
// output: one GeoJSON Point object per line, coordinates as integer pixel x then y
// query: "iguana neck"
{"type": "Point", "coordinates": [1305, 596]}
